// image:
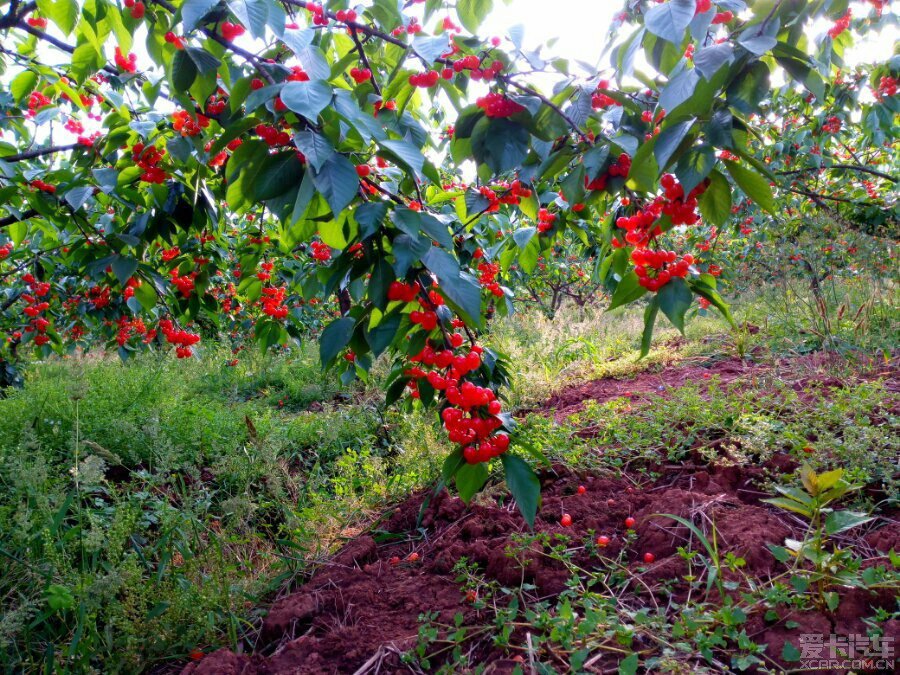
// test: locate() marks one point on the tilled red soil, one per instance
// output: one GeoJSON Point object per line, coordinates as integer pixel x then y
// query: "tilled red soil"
{"type": "Point", "coordinates": [361, 605]}
{"type": "Point", "coordinates": [361, 610]}
{"type": "Point", "coordinates": [807, 375]}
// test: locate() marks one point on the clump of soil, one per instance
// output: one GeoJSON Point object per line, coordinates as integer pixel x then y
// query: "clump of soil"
{"type": "Point", "coordinates": [362, 606]}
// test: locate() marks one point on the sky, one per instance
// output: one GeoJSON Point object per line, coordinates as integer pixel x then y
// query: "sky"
{"type": "Point", "coordinates": [581, 26]}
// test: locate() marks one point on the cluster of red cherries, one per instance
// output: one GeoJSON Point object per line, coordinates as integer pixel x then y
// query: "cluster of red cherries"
{"type": "Point", "coordinates": [840, 25]}
{"type": "Point", "coordinates": [512, 194]}
{"type": "Point", "coordinates": [657, 268]}
{"type": "Point", "coordinates": [148, 159]}
{"type": "Point", "coordinates": [619, 169]}
{"type": "Point", "coordinates": [127, 64]}
{"type": "Point", "coordinates": [182, 339]}
{"type": "Point", "coordinates": [471, 416]}
{"type": "Point", "coordinates": [185, 124]}
{"type": "Point", "coordinates": [35, 307]}
{"type": "Point", "coordinates": [496, 105]}
{"type": "Point", "coordinates": [273, 302]}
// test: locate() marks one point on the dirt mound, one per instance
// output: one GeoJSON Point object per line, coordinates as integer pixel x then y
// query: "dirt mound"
{"type": "Point", "coordinates": [811, 373]}
{"type": "Point", "coordinates": [362, 608]}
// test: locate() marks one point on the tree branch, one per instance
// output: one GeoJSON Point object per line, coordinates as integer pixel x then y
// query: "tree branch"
{"type": "Point", "coordinates": [9, 220]}
{"type": "Point", "coordinates": [365, 60]}
{"type": "Point", "coordinates": [846, 167]}
{"type": "Point", "coordinates": [816, 197]}
{"type": "Point", "coordinates": [59, 44]}
{"type": "Point", "coordinates": [547, 102]}
{"type": "Point", "coordinates": [40, 152]}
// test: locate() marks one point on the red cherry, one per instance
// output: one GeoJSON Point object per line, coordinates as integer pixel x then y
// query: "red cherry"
{"type": "Point", "coordinates": [629, 522]}
{"type": "Point", "coordinates": [363, 170]}
{"type": "Point", "coordinates": [581, 489]}
{"type": "Point", "coordinates": [566, 520]}
{"type": "Point", "coordinates": [602, 541]}
{"type": "Point", "coordinates": [649, 558]}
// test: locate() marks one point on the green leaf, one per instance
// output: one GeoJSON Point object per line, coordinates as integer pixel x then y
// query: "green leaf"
{"type": "Point", "coordinates": [337, 181]}
{"type": "Point", "coordinates": [705, 287]}
{"type": "Point", "coordinates": [59, 597]}
{"type": "Point", "coordinates": [674, 300]}
{"type": "Point", "coordinates": [668, 141]}
{"type": "Point", "coordinates": [335, 339]}
{"type": "Point", "coordinates": [461, 289]}
{"type": "Point", "coordinates": [524, 486]}
{"type": "Point", "coordinates": [206, 63]}
{"type": "Point", "coordinates": [307, 98]}
{"type": "Point", "coordinates": [670, 20]}
{"type": "Point", "coordinates": [627, 291]}
{"type": "Point", "coordinates": [629, 665]}
{"type": "Point", "coordinates": [453, 462]}
{"type": "Point", "coordinates": [64, 13]}
{"type": "Point", "coordinates": [679, 89]}
{"type": "Point", "coordinates": [184, 71]}
{"type": "Point", "coordinates": [755, 43]}
{"type": "Point", "coordinates": [381, 336]}
{"type": "Point", "coordinates": [649, 321]}
{"type": "Point", "coordinates": [146, 295]}
{"type": "Point", "coordinates": [709, 59]}
{"type": "Point", "coordinates": [644, 169]}
{"type": "Point", "coordinates": [470, 478]}
{"type": "Point", "coordinates": [23, 84]}
{"type": "Point", "coordinates": [17, 231]}
{"type": "Point", "coordinates": [501, 144]}
{"type": "Point", "coordinates": [406, 154]}
{"type": "Point", "coordinates": [694, 166]}
{"type": "Point", "coordinates": [749, 88]}
{"type": "Point", "coordinates": [788, 505]}
{"type": "Point", "coordinates": [790, 653]}
{"type": "Point", "coordinates": [277, 175]}
{"type": "Point", "coordinates": [124, 268]}
{"type": "Point", "coordinates": [780, 552]}
{"type": "Point", "coordinates": [253, 14]}
{"type": "Point", "coordinates": [841, 521]}
{"type": "Point", "coordinates": [802, 72]}
{"type": "Point", "coordinates": [414, 224]}
{"type": "Point", "coordinates": [473, 12]}
{"type": "Point", "coordinates": [715, 203]}
{"type": "Point", "coordinates": [753, 184]}
{"type": "Point", "coordinates": [314, 62]}
{"type": "Point", "coordinates": [194, 10]}
{"type": "Point", "coordinates": [315, 147]}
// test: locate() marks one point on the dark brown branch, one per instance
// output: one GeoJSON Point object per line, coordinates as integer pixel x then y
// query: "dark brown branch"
{"type": "Point", "coordinates": [547, 102]}
{"type": "Point", "coordinates": [816, 197]}
{"type": "Point", "coordinates": [846, 167]}
{"type": "Point", "coordinates": [365, 60]}
{"type": "Point", "coordinates": [16, 13]}
{"type": "Point", "coordinates": [9, 220]}
{"type": "Point", "coordinates": [40, 152]}
{"type": "Point", "coordinates": [59, 44]}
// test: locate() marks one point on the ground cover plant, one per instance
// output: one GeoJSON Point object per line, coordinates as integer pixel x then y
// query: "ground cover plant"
{"type": "Point", "coordinates": [261, 263]}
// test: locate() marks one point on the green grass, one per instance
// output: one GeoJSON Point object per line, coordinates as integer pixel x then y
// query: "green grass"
{"type": "Point", "coordinates": [167, 498]}
{"type": "Point", "coordinates": [173, 499]}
